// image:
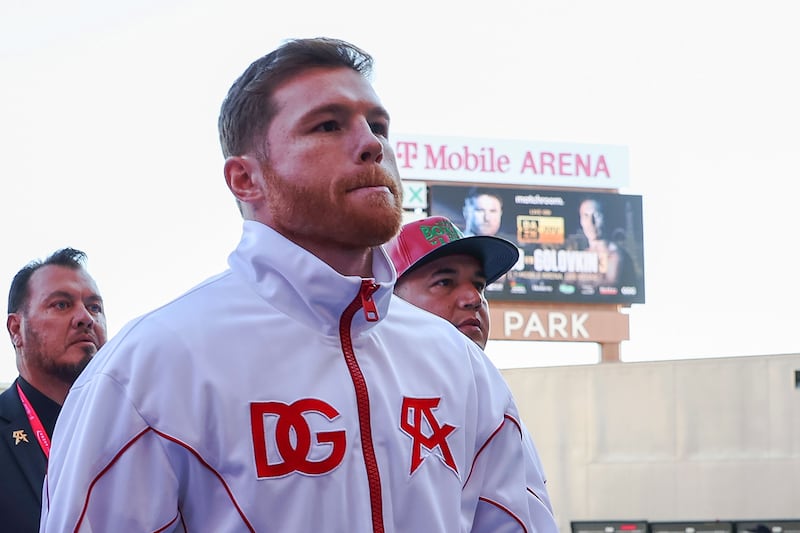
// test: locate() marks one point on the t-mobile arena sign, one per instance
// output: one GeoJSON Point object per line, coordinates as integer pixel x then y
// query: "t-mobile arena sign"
{"type": "Point", "coordinates": [493, 161]}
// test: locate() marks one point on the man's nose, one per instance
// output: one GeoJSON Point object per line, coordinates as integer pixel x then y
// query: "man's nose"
{"type": "Point", "coordinates": [471, 297]}
{"type": "Point", "coordinates": [83, 318]}
{"type": "Point", "coordinates": [370, 147]}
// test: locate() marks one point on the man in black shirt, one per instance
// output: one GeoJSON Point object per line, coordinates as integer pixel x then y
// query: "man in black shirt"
{"type": "Point", "coordinates": [56, 322]}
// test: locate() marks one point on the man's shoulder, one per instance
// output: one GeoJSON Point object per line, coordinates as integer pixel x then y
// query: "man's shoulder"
{"type": "Point", "coordinates": [423, 328]}
{"type": "Point", "coordinates": [9, 402]}
{"type": "Point", "coordinates": [7, 389]}
{"type": "Point", "coordinates": [405, 313]}
{"type": "Point", "coordinates": [212, 293]}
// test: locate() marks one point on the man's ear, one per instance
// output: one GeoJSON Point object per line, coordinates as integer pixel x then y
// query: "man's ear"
{"type": "Point", "coordinates": [12, 325]}
{"type": "Point", "coordinates": [243, 176]}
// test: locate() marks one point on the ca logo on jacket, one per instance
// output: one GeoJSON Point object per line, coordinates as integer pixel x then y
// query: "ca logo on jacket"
{"type": "Point", "coordinates": [418, 422]}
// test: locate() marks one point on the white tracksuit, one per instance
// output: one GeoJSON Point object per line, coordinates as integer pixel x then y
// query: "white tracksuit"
{"type": "Point", "coordinates": [265, 400]}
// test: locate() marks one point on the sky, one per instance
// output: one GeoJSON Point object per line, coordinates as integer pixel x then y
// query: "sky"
{"type": "Point", "coordinates": [108, 138]}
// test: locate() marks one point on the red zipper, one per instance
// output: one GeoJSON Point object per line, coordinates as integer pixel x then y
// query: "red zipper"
{"type": "Point", "coordinates": [368, 288]}
{"type": "Point", "coordinates": [363, 299]}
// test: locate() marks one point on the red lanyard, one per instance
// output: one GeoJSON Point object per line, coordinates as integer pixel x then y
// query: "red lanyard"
{"type": "Point", "coordinates": [36, 424]}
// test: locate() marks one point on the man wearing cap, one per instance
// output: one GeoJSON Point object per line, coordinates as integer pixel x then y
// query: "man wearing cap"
{"type": "Point", "coordinates": [444, 272]}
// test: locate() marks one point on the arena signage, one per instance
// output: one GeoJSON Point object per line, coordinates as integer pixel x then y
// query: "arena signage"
{"type": "Point", "coordinates": [493, 161]}
{"type": "Point", "coordinates": [577, 324]}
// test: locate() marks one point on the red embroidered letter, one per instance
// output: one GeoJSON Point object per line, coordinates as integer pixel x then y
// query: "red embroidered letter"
{"type": "Point", "coordinates": [291, 423]}
{"type": "Point", "coordinates": [413, 412]}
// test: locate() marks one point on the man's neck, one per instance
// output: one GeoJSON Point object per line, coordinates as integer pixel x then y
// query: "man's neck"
{"type": "Point", "coordinates": [53, 388]}
{"type": "Point", "coordinates": [348, 264]}
{"type": "Point", "coordinates": [345, 261]}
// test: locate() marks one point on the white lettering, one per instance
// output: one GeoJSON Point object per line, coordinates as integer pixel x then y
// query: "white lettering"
{"type": "Point", "coordinates": [556, 324]}
{"type": "Point", "coordinates": [577, 325]}
{"type": "Point", "coordinates": [512, 320]}
{"type": "Point", "coordinates": [534, 325]}
{"type": "Point", "coordinates": [547, 260]}
{"type": "Point", "coordinates": [561, 325]}
{"type": "Point", "coordinates": [538, 199]}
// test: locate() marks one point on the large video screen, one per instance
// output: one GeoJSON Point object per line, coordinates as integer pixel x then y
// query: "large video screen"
{"type": "Point", "coordinates": [575, 246]}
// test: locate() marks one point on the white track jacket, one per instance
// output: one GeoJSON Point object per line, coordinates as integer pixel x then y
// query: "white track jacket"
{"type": "Point", "coordinates": [281, 396]}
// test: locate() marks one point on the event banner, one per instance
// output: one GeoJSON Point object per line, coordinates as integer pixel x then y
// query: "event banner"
{"type": "Point", "coordinates": [511, 162]}
{"type": "Point", "coordinates": [575, 246]}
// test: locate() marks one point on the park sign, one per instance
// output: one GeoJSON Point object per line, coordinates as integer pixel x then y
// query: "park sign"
{"type": "Point", "coordinates": [541, 322]}
{"type": "Point", "coordinates": [511, 162]}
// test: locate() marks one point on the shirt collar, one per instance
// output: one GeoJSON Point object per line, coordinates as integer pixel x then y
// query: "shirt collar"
{"type": "Point", "coordinates": [303, 286]}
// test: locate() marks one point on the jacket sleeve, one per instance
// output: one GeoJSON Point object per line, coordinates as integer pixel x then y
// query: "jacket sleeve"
{"type": "Point", "coordinates": [506, 477]}
{"type": "Point", "coordinates": [108, 470]}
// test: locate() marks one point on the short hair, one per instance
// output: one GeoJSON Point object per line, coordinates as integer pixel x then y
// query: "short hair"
{"type": "Point", "coordinates": [474, 192]}
{"type": "Point", "coordinates": [18, 294]}
{"type": "Point", "coordinates": [248, 108]}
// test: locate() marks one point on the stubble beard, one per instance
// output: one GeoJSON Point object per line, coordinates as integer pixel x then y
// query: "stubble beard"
{"type": "Point", "coordinates": [66, 372]}
{"type": "Point", "coordinates": [311, 213]}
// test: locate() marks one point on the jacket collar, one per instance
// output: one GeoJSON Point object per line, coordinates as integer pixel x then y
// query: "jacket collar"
{"type": "Point", "coordinates": [299, 284]}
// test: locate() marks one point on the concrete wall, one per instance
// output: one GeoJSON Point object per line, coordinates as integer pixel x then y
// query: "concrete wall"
{"type": "Point", "coordinates": [678, 440]}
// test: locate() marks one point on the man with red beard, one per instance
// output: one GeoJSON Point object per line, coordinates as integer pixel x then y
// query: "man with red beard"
{"type": "Point", "coordinates": [292, 392]}
{"type": "Point", "coordinates": [56, 323]}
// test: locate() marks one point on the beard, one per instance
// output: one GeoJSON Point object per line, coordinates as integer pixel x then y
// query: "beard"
{"type": "Point", "coordinates": [66, 372]}
{"type": "Point", "coordinates": [326, 214]}
{"type": "Point", "coordinates": [69, 372]}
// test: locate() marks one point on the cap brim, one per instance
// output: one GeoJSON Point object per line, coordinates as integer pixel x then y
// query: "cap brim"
{"type": "Point", "coordinates": [497, 255]}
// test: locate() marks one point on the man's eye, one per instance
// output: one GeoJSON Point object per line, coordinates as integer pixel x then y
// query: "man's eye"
{"type": "Point", "coordinates": [61, 305]}
{"type": "Point", "coordinates": [328, 126]}
{"type": "Point", "coordinates": [96, 309]}
{"type": "Point", "coordinates": [380, 128]}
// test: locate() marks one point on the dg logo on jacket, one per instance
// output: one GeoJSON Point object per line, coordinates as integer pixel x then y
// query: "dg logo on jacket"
{"type": "Point", "coordinates": [293, 441]}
